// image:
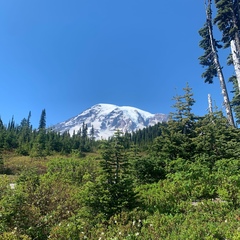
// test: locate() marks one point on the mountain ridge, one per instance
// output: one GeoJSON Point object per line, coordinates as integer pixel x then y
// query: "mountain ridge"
{"type": "Point", "coordinates": [107, 118]}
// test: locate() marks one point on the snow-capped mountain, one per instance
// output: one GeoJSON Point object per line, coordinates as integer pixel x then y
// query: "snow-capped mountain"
{"type": "Point", "coordinates": [107, 118]}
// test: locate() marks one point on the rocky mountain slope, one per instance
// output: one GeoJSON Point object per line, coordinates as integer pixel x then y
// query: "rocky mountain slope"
{"type": "Point", "coordinates": [107, 118]}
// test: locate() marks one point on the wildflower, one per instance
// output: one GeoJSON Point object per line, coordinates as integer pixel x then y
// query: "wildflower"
{"type": "Point", "coordinates": [139, 223]}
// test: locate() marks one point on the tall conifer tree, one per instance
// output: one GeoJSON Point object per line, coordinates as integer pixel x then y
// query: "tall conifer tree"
{"type": "Point", "coordinates": [118, 183]}
{"type": "Point", "coordinates": [228, 22]}
{"type": "Point", "coordinates": [210, 60]}
{"type": "Point", "coordinates": [42, 122]}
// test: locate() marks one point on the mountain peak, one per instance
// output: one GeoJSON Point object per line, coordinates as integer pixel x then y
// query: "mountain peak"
{"type": "Point", "coordinates": [107, 118]}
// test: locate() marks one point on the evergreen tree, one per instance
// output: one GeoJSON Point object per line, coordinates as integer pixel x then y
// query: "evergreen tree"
{"type": "Point", "coordinates": [210, 60]}
{"type": "Point", "coordinates": [92, 134]}
{"type": "Point", "coordinates": [11, 125]}
{"type": "Point", "coordinates": [189, 102]}
{"type": "Point", "coordinates": [183, 110]}
{"type": "Point", "coordinates": [39, 144]}
{"type": "Point", "coordinates": [175, 140]}
{"type": "Point", "coordinates": [215, 139]}
{"type": "Point", "coordinates": [1, 165]}
{"type": "Point", "coordinates": [116, 187]}
{"type": "Point", "coordinates": [42, 122]}
{"type": "Point", "coordinates": [84, 144]}
{"type": "Point", "coordinates": [24, 137]}
{"type": "Point", "coordinates": [115, 159]}
{"type": "Point", "coordinates": [228, 22]}
{"type": "Point", "coordinates": [2, 134]}
{"type": "Point", "coordinates": [236, 99]}
{"type": "Point", "coordinates": [1, 124]}
{"type": "Point", "coordinates": [179, 107]}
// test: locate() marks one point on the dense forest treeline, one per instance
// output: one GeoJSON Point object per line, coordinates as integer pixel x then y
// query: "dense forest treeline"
{"type": "Point", "coordinates": [43, 141]}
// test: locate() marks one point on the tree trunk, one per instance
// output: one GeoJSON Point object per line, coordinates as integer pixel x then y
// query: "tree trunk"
{"type": "Point", "coordinates": [236, 61]}
{"type": "Point", "coordinates": [210, 109]}
{"type": "Point", "coordinates": [235, 44]}
{"type": "Point", "coordinates": [218, 66]}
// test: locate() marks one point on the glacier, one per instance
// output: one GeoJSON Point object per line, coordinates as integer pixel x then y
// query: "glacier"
{"type": "Point", "coordinates": [108, 118]}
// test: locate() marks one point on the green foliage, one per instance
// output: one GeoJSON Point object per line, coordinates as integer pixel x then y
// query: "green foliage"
{"type": "Point", "coordinates": [175, 139]}
{"type": "Point", "coordinates": [236, 98]}
{"type": "Point", "coordinates": [207, 59]}
{"type": "Point", "coordinates": [227, 19]}
{"type": "Point", "coordinates": [1, 165]}
{"type": "Point", "coordinates": [36, 204]}
{"type": "Point", "coordinates": [43, 142]}
{"type": "Point", "coordinates": [67, 229]}
{"type": "Point", "coordinates": [149, 170]}
{"type": "Point", "coordinates": [73, 170]}
{"type": "Point", "coordinates": [215, 139]}
{"type": "Point", "coordinates": [175, 180]}
{"type": "Point", "coordinates": [228, 178]}
{"type": "Point", "coordinates": [39, 149]}
{"type": "Point", "coordinates": [207, 220]}
{"type": "Point", "coordinates": [113, 190]}
{"type": "Point", "coordinates": [42, 122]}
{"type": "Point", "coordinates": [13, 236]}
{"type": "Point", "coordinates": [143, 137]}
{"type": "Point", "coordinates": [183, 105]}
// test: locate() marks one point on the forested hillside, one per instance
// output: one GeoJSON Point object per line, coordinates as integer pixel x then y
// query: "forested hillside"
{"type": "Point", "coordinates": [176, 180]}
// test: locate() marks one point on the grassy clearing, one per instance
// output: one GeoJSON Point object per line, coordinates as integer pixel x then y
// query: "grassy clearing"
{"type": "Point", "coordinates": [11, 178]}
{"type": "Point", "coordinates": [14, 165]}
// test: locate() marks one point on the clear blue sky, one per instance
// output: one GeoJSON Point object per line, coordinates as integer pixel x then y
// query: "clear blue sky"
{"type": "Point", "coordinates": [66, 56]}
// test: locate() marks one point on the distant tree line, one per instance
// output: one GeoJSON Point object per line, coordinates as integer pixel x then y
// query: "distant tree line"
{"type": "Point", "coordinates": [45, 141]}
{"type": "Point", "coordinates": [42, 141]}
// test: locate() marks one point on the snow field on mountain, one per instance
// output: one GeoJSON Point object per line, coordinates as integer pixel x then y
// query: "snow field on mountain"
{"type": "Point", "coordinates": [107, 118]}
